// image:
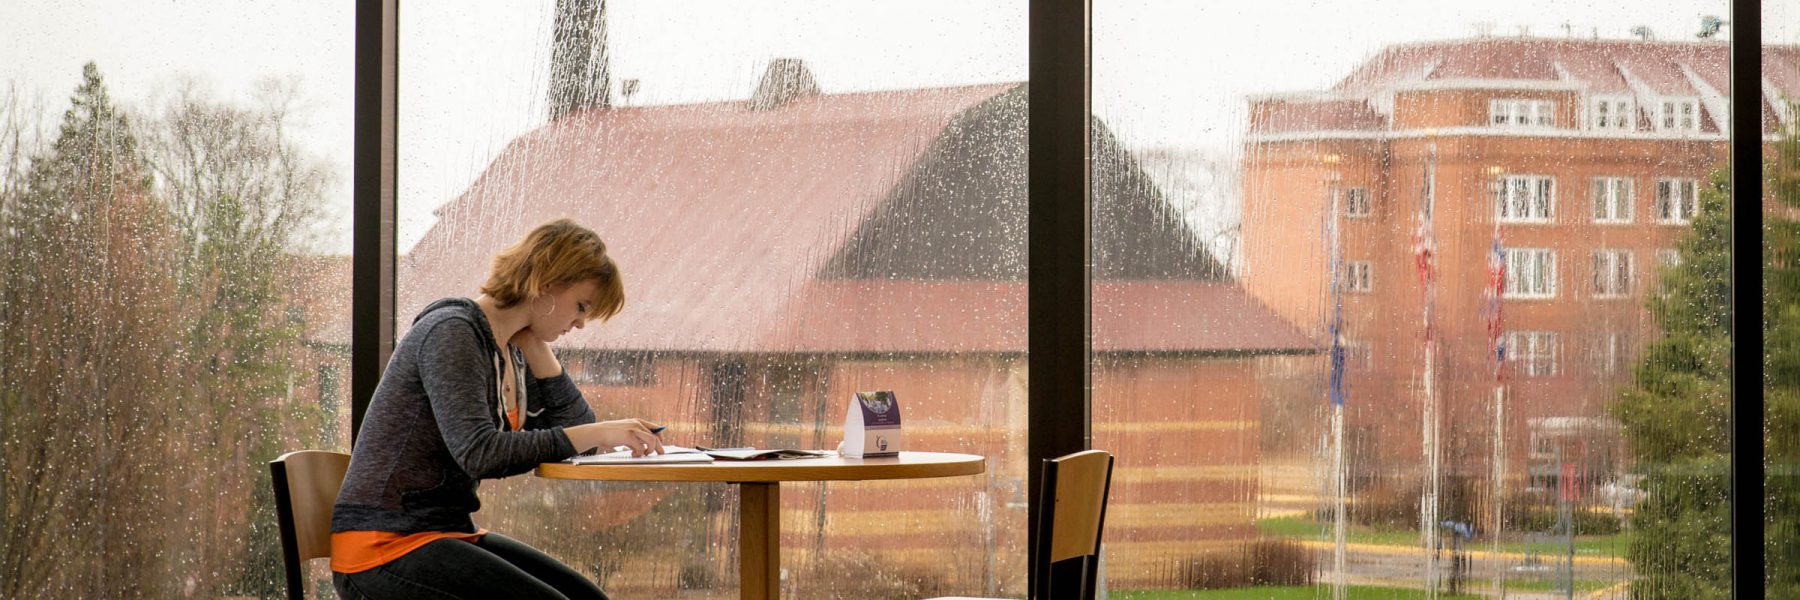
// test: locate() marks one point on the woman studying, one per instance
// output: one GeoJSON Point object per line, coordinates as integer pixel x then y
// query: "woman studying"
{"type": "Point", "coordinates": [473, 392]}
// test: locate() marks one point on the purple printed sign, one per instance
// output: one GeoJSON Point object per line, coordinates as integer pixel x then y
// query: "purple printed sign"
{"type": "Point", "coordinates": [872, 426]}
{"type": "Point", "coordinates": [879, 409]}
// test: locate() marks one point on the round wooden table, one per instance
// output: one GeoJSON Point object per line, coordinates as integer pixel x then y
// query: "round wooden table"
{"type": "Point", "coordinates": [759, 483]}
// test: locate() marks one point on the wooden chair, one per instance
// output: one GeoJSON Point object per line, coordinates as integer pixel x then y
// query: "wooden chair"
{"type": "Point", "coordinates": [1066, 559]}
{"type": "Point", "coordinates": [306, 485]}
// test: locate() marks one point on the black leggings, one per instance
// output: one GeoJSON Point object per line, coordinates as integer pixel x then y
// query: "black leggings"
{"type": "Point", "coordinates": [494, 567]}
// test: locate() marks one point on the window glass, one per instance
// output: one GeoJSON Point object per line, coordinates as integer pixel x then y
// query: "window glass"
{"type": "Point", "coordinates": [805, 200]}
{"type": "Point", "coordinates": [1781, 392]}
{"type": "Point", "coordinates": [174, 288]}
{"type": "Point", "coordinates": [1676, 200]}
{"type": "Point", "coordinates": [1507, 435]}
{"type": "Point", "coordinates": [1356, 202]}
{"type": "Point", "coordinates": [1526, 198]}
{"type": "Point", "coordinates": [1612, 199]}
{"type": "Point", "coordinates": [1612, 273]}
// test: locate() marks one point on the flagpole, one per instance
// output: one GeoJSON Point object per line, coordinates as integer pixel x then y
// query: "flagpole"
{"type": "Point", "coordinates": [1336, 392]}
{"type": "Point", "coordinates": [1426, 246]}
{"type": "Point", "coordinates": [1495, 294]}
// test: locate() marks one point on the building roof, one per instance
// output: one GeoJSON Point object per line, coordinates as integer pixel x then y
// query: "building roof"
{"type": "Point", "coordinates": [731, 225]}
{"type": "Point", "coordinates": [1647, 69]}
{"type": "Point", "coordinates": [1284, 116]}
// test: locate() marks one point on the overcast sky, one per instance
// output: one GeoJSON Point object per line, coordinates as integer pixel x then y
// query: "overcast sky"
{"type": "Point", "coordinates": [472, 73]}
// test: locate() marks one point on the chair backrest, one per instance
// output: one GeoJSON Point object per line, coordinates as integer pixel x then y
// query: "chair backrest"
{"type": "Point", "coordinates": [306, 486]}
{"type": "Point", "coordinates": [1066, 560]}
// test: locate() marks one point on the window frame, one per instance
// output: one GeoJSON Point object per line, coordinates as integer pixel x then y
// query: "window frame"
{"type": "Point", "coordinates": [1604, 113]}
{"type": "Point", "coordinates": [1604, 191]}
{"type": "Point", "coordinates": [1523, 113]}
{"type": "Point", "coordinates": [1544, 199]}
{"type": "Point", "coordinates": [1608, 359]}
{"type": "Point", "coordinates": [1355, 197]}
{"type": "Point", "coordinates": [1669, 117]}
{"type": "Point", "coordinates": [1060, 33]}
{"type": "Point", "coordinates": [1359, 277]}
{"type": "Point", "coordinates": [1690, 203]}
{"type": "Point", "coordinates": [1534, 353]}
{"type": "Point", "coordinates": [1614, 286]}
{"type": "Point", "coordinates": [1524, 269]}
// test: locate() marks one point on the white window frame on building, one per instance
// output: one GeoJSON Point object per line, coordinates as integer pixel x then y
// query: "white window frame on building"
{"type": "Point", "coordinates": [1612, 273]}
{"type": "Point", "coordinates": [1533, 353]}
{"type": "Point", "coordinates": [1674, 208]}
{"type": "Point", "coordinates": [1678, 114]}
{"type": "Point", "coordinates": [1525, 199]}
{"type": "Point", "coordinates": [1614, 198]}
{"type": "Point", "coordinates": [1356, 202]}
{"type": "Point", "coordinates": [1668, 257]}
{"type": "Point", "coordinates": [1530, 273]}
{"type": "Point", "coordinates": [1359, 276]}
{"type": "Point", "coordinates": [1614, 113]}
{"type": "Point", "coordinates": [1521, 112]}
{"type": "Point", "coordinates": [1608, 353]}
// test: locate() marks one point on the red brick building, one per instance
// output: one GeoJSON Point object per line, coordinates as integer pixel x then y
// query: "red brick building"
{"type": "Point", "coordinates": [781, 253]}
{"type": "Point", "coordinates": [1584, 155]}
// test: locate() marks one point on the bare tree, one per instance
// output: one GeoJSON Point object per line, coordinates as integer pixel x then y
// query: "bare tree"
{"type": "Point", "coordinates": [243, 197]}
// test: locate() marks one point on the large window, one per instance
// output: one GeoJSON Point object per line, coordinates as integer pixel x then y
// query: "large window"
{"type": "Point", "coordinates": [797, 216]}
{"type": "Point", "coordinates": [174, 288]}
{"type": "Point", "coordinates": [1781, 342]}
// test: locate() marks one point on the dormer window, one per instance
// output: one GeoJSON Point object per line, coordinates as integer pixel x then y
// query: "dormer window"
{"type": "Point", "coordinates": [1614, 113]}
{"type": "Point", "coordinates": [1678, 114]}
{"type": "Point", "coordinates": [1515, 112]}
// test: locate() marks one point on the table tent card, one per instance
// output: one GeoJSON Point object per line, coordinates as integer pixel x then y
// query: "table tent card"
{"type": "Point", "coordinates": [872, 426]}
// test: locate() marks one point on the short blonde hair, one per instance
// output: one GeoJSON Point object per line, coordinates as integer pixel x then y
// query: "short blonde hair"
{"type": "Point", "coordinates": [556, 253]}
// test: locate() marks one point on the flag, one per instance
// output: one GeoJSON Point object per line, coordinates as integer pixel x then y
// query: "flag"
{"type": "Point", "coordinates": [1424, 248]}
{"type": "Point", "coordinates": [1490, 310]}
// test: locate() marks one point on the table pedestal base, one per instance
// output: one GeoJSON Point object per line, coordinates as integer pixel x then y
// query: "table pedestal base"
{"type": "Point", "coordinates": [759, 540]}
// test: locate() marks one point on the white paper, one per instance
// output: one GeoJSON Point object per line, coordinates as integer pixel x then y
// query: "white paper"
{"type": "Point", "coordinates": [671, 454]}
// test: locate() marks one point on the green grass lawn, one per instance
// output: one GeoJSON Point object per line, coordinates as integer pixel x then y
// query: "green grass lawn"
{"type": "Point", "coordinates": [1310, 592]}
{"type": "Point", "coordinates": [1307, 529]}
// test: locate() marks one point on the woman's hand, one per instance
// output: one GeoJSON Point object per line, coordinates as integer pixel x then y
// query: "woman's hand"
{"type": "Point", "coordinates": [537, 353]}
{"type": "Point", "coordinates": [631, 433]}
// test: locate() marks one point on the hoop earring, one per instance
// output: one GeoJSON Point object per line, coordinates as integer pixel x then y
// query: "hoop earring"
{"type": "Point", "coordinates": [547, 310]}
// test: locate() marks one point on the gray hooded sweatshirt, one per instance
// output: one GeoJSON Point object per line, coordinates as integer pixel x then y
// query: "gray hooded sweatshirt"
{"type": "Point", "coordinates": [435, 427]}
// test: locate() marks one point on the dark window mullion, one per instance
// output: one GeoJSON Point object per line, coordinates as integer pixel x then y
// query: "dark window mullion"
{"type": "Point", "coordinates": [372, 263]}
{"type": "Point", "coordinates": [1747, 469]}
{"type": "Point", "coordinates": [1058, 300]}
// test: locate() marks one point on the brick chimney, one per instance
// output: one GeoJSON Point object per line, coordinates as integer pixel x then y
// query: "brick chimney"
{"type": "Point", "coordinates": [579, 73]}
{"type": "Point", "coordinates": [785, 80]}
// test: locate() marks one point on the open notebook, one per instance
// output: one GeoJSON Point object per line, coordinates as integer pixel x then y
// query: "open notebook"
{"type": "Point", "coordinates": [681, 454]}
